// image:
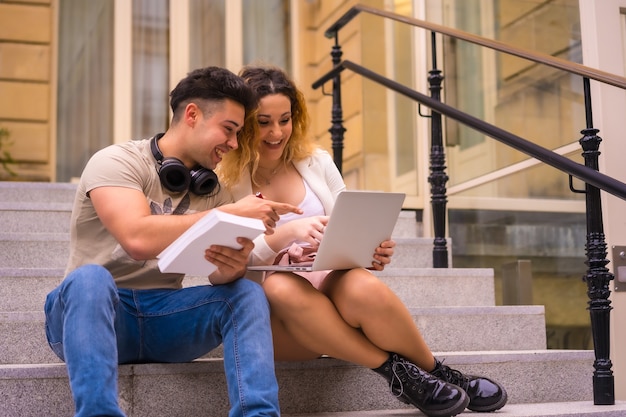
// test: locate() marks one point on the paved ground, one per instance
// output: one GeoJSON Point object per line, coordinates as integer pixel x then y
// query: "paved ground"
{"type": "Point", "coordinates": [573, 409]}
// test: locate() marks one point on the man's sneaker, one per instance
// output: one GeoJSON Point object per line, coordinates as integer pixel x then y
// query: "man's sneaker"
{"type": "Point", "coordinates": [485, 395]}
{"type": "Point", "coordinates": [412, 385]}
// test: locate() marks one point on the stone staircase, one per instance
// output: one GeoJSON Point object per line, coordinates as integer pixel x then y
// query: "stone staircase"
{"type": "Point", "coordinates": [454, 308]}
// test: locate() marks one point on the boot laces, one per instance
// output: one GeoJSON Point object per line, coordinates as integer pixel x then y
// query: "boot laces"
{"type": "Point", "coordinates": [451, 375]}
{"type": "Point", "coordinates": [402, 367]}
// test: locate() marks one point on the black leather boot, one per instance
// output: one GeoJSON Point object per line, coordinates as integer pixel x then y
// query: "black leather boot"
{"type": "Point", "coordinates": [412, 385]}
{"type": "Point", "coordinates": [485, 395]}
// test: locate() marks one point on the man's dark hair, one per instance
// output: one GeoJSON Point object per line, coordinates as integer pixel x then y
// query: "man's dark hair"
{"type": "Point", "coordinates": [211, 84]}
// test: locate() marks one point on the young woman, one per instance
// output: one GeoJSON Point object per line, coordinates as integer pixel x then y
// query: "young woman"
{"type": "Point", "coordinates": [349, 314]}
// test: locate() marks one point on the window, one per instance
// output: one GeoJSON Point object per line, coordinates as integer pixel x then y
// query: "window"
{"type": "Point", "coordinates": [85, 86]}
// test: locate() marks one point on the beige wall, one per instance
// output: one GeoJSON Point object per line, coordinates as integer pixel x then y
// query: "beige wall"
{"type": "Point", "coordinates": [25, 85]}
{"type": "Point", "coordinates": [366, 125]}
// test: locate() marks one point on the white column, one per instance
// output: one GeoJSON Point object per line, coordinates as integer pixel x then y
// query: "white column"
{"type": "Point", "coordinates": [179, 41]}
{"type": "Point", "coordinates": [234, 35]}
{"type": "Point", "coordinates": [122, 71]}
{"type": "Point", "coordinates": [603, 48]}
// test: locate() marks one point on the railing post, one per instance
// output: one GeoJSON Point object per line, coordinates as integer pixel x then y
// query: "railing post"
{"type": "Point", "coordinates": [437, 177]}
{"type": "Point", "coordinates": [336, 129]}
{"type": "Point", "coordinates": [597, 276]}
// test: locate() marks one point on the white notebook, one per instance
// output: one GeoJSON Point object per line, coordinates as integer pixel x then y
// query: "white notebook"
{"type": "Point", "coordinates": [186, 254]}
{"type": "Point", "coordinates": [359, 222]}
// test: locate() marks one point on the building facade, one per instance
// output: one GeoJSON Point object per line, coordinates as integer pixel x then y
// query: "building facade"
{"type": "Point", "coordinates": [78, 75]}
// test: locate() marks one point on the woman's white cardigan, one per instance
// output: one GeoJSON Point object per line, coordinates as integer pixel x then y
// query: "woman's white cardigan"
{"type": "Point", "coordinates": [320, 172]}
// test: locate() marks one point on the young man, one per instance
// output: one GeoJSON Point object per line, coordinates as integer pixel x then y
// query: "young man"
{"type": "Point", "coordinates": [134, 199]}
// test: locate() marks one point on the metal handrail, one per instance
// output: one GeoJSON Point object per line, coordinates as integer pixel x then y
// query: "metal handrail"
{"type": "Point", "coordinates": [586, 174]}
{"type": "Point", "coordinates": [592, 73]}
{"type": "Point", "coordinates": [597, 276]}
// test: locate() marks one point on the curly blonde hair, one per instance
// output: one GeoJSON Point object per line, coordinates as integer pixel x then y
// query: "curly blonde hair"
{"type": "Point", "coordinates": [264, 81]}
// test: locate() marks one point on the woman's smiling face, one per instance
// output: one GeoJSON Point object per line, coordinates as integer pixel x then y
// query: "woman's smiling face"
{"type": "Point", "coordinates": [275, 126]}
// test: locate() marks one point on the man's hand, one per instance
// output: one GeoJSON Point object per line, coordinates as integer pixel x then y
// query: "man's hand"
{"type": "Point", "coordinates": [231, 263]}
{"type": "Point", "coordinates": [259, 208]}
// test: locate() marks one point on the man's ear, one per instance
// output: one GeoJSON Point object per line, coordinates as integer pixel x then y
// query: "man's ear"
{"type": "Point", "coordinates": [192, 112]}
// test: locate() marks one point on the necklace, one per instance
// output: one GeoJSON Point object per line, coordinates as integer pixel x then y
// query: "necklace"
{"type": "Point", "coordinates": [268, 179]}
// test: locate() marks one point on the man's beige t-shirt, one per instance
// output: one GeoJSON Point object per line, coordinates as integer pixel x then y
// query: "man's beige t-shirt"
{"type": "Point", "coordinates": [130, 165]}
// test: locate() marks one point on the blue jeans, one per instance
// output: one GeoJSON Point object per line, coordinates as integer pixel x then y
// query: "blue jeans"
{"type": "Point", "coordinates": [93, 326]}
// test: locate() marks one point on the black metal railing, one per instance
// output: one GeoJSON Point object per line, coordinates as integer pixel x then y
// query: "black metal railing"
{"type": "Point", "coordinates": [598, 276]}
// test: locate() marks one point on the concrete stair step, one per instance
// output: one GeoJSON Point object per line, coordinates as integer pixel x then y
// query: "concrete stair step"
{"type": "Point", "coordinates": [25, 289]}
{"type": "Point", "coordinates": [556, 409]}
{"type": "Point", "coordinates": [19, 217]}
{"type": "Point", "coordinates": [54, 217]}
{"type": "Point", "coordinates": [37, 192]}
{"type": "Point", "coordinates": [51, 250]}
{"type": "Point", "coordinates": [323, 385]}
{"type": "Point", "coordinates": [426, 287]}
{"type": "Point", "coordinates": [444, 329]}
{"type": "Point", "coordinates": [17, 199]}
{"type": "Point", "coordinates": [24, 338]}
{"type": "Point", "coordinates": [464, 327]}
{"type": "Point", "coordinates": [415, 253]}
{"type": "Point", "coordinates": [482, 328]}
{"type": "Point", "coordinates": [34, 250]}
{"type": "Point", "coordinates": [408, 225]}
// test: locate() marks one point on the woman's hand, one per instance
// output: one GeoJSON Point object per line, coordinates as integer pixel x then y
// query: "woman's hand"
{"type": "Point", "coordinates": [307, 229]}
{"type": "Point", "coordinates": [383, 255]}
{"type": "Point", "coordinates": [231, 263]}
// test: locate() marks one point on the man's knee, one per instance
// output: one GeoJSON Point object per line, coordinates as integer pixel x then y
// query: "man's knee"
{"type": "Point", "coordinates": [250, 294]}
{"type": "Point", "coordinates": [89, 282]}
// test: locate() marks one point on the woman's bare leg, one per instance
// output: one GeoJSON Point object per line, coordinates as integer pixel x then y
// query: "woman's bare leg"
{"type": "Point", "coordinates": [286, 348]}
{"type": "Point", "coordinates": [365, 302]}
{"type": "Point", "coordinates": [304, 318]}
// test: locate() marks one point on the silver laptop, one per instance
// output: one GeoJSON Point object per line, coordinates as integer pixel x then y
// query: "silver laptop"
{"type": "Point", "coordinates": [359, 222]}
